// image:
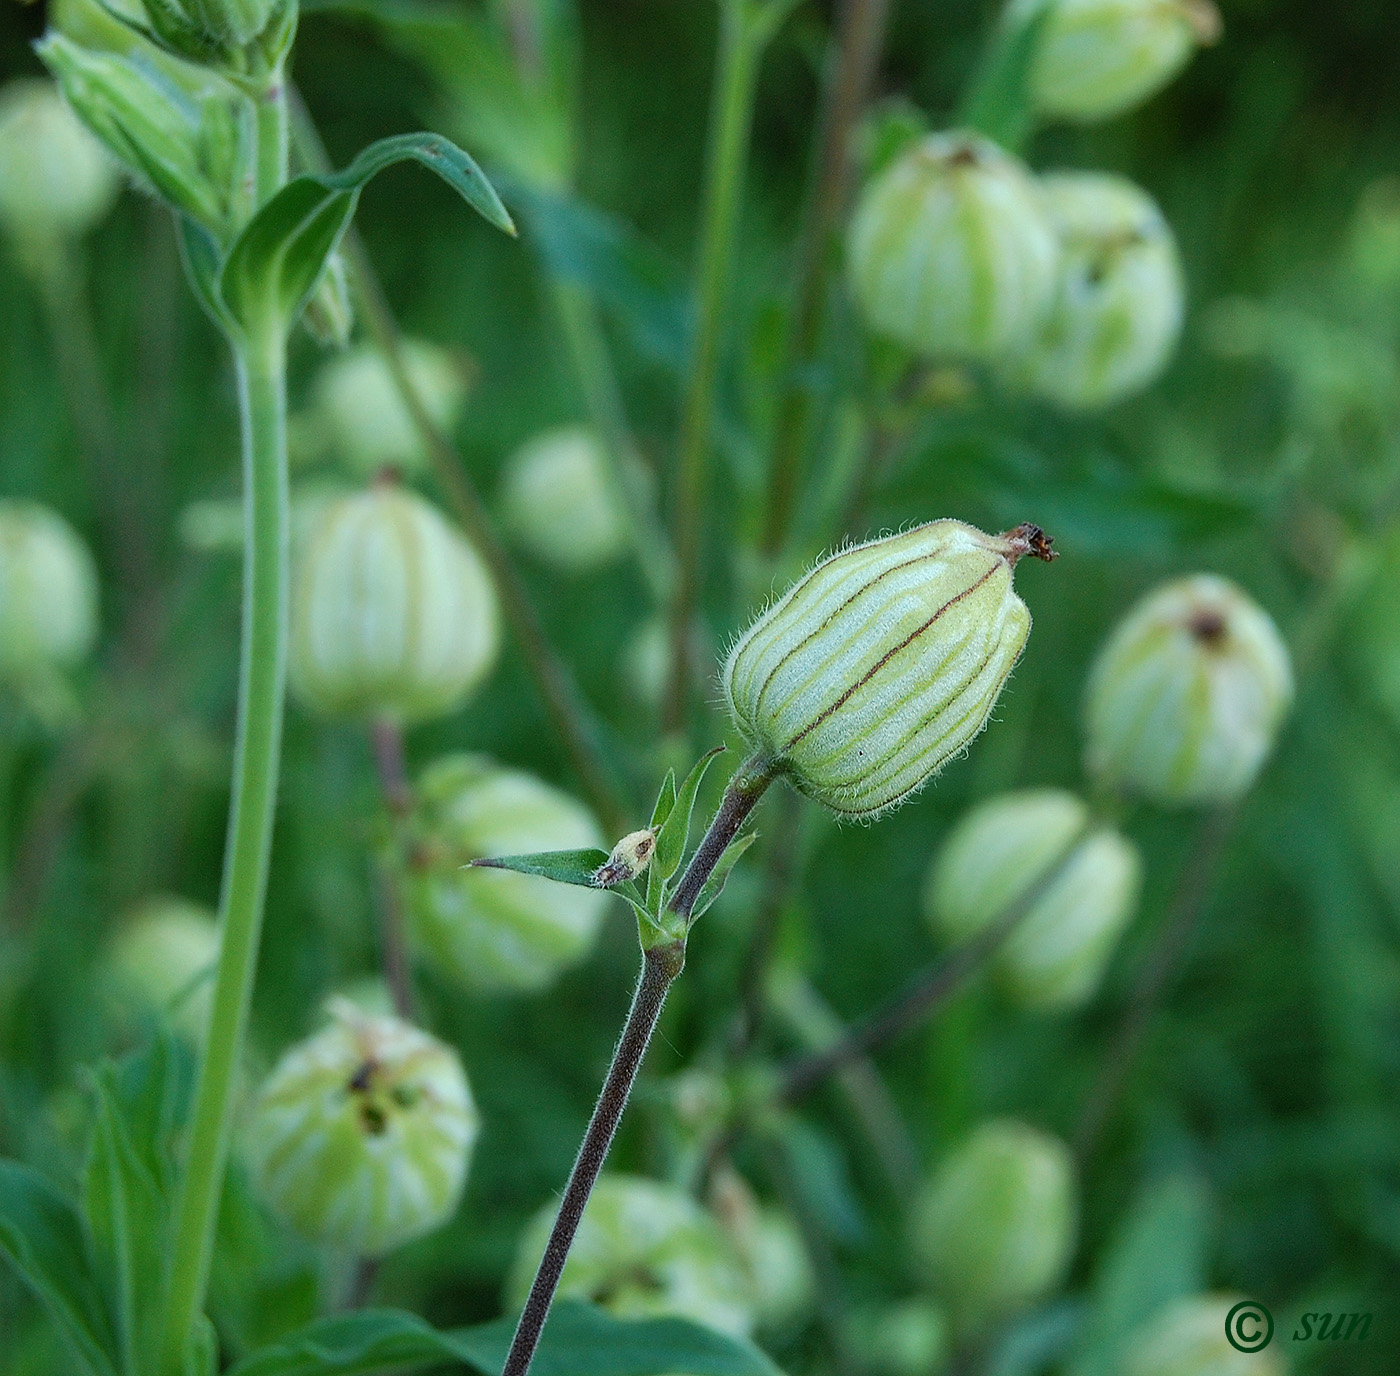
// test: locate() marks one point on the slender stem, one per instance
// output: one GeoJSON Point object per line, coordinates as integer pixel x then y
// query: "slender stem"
{"type": "Point", "coordinates": [851, 70]}
{"type": "Point", "coordinates": [274, 136]}
{"type": "Point", "coordinates": [745, 788]}
{"type": "Point", "coordinates": [660, 966]}
{"type": "Point", "coordinates": [262, 399]}
{"type": "Point", "coordinates": [731, 115]}
{"type": "Point", "coordinates": [1163, 961]}
{"type": "Point", "coordinates": [386, 742]}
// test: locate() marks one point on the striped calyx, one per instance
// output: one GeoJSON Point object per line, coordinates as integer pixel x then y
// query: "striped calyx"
{"type": "Point", "coordinates": [1099, 58]}
{"type": "Point", "coordinates": [48, 592]}
{"type": "Point", "coordinates": [1186, 697]}
{"type": "Point", "coordinates": [950, 252]}
{"type": "Point", "coordinates": [558, 500]}
{"type": "Point", "coordinates": [882, 662]}
{"type": "Point", "coordinates": [1118, 302]}
{"type": "Point", "coordinates": [1187, 1337]}
{"type": "Point", "coordinates": [643, 1249]}
{"type": "Point", "coordinates": [995, 1227]}
{"type": "Point", "coordinates": [361, 1135]}
{"type": "Point", "coordinates": [393, 613]}
{"type": "Point", "coordinates": [1074, 883]}
{"type": "Point", "coordinates": [495, 929]}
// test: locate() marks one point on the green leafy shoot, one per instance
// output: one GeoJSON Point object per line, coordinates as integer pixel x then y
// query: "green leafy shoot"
{"type": "Point", "coordinates": [671, 838]}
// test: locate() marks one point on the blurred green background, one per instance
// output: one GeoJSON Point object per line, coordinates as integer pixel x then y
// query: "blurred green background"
{"type": "Point", "coordinates": [1270, 1080]}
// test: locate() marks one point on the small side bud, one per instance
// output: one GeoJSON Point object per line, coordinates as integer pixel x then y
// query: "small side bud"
{"type": "Point", "coordinates": [629, 858]}
{"type": "Point", "coordinates": [950, 251]}
{"type": "Point", "coordinates": [361, 1135]}
{"type": "Point", "coordinates": [393, 612]}
{"type": "Point", "coordinates": [883, 662]}
{"type": "Point", "coordinates": [1119, 300]}
{"type": "Point", "coordinates": [1186, 697]}
{"type": "Point", "coordinates": [643, 1249]}
{"type": "Point", "coordinates": [557, 499]}
{"type": "Point", "coordinates": [330, 315]}
{"type": "Point", "coordinates": [1187, 1338]}
{"type": "Point", "coordinates": [494, 929]}
{"type": "Point", "coordinates": [1100, 58]}
{"type": "Point", "coordinates": [48, 593]}
{"type": "Point", "coordinates": [1080, 883]}
{"type": "Point", "coordinates": [56, 180]}
{"type": "Point", "coordinates": [996, 1226]}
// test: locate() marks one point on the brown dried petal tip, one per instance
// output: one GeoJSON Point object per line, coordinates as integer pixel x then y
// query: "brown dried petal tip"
{"type": "Point", "coordinates": [1029, 539]}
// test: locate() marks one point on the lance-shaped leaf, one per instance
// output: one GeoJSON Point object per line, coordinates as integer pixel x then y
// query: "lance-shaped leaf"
{"type": "Point", "coordinates": [562, 866]}
{"type": "Point", "coordinates": [280, 255]}
{"type": "Point", "coordinates": [671, 839]}
{"type": "Point", "coordinates": [714, 885]}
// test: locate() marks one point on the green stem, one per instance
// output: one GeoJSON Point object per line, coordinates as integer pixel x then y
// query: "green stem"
{"type": "Point", "coordinates": [730, 120]}
{"type": "Point", "coordinates": [274, 136]}
{"type": "Point", "coordinates": [262, 674]}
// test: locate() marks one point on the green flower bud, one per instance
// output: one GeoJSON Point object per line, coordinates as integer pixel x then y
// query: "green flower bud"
{"type": "Point", "coordinates": [393, 613]}
{"type": "Point", "coordinates": [361, 1135]}
{"type": "Point", "coordinates": [1187, 1338]}
{"type": "Point", "coordinates": [883, 662]}
{"type": "Point", "coordinates": [364, 417]}
{"type": "Point", "coordinates": [1100, 58]}
{"type": "Point", "coordinates": [950, 251]}
{"type": "Point", "coordinates": [1081, 884]}
{"type": "Point", "coordinates": [491, 929]}
{"type": "Point", "coordinates": [1186, 697]}
{"type": "Point", "coordinates": [48, 592]}
{"type": "Point", "coordinates": [56, 180]}
{"type": "Point", "coordinates": [909, 1338]}
{"type": "Point", "coordinates": [557, 498]}
{"type": "Point", "coordinates": [185, 134]}
{"type": "Point", "coordinates": [246, 37]}
{"type": "Point", "coordinates": [995, 1228]}
{"type": "Point", "coordinates": [163, 960]}
{"type": "Point", "coordinates": [1118, 305]}
{"type": "Point", "coordinates": [643, 1249]}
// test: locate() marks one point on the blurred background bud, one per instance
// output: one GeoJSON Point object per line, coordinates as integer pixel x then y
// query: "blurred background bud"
{"type": "Point", "coordinates": [361, 1134]}
{"type": "Point", "coordinates": [995, 1228]}
{"type": "Point", "coordinates": [770, 1246]}
{"type": "Point", "coordinates": [1118, 304]}
{"type": "Point", "coordinates": [330, 314]}
{"type": "Point", "coordinates": [1187, 1338]}
{"type": "Point", "coordinates": [393, 613]}
{"type": "Point", "coordinates": [490, 929]}
{"type": "Point", "coordinates": [908, 1338]}
{"type": "Point", "coordinates": [56, 180]}
{"type": "Point", "coordinates": [643, 1249]}
{"type": "Point", "coordinates": [48, 592]}
{"type": "Point", "coordinates": [363, 417]}
{"type": "Point", "coordinates": [558, 500]}
{"type": "Point", "coordinates": [882, 662]}
{"type": "Point", "coordinates": [950, 250]}
{"type": "Point", "coordinates": [1374, 251]}
{"type": "Point", "coordinates": [1188, 694]}
{"type": "Point", "coordinates": [1099, 58]}
{"type": "Point", "coordinates": [162, 962]}
{"type": "Point", "coordinates": [1038, 847]}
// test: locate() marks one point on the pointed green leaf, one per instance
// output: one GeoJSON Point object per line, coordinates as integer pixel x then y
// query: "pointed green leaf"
{"type": "Point", "coordinates": [998, 101]}
{"type": "Point", "coordinates": [665, 800]}
{"type": "Point", "coordinates": [714, 885]}
{"type": "Point", "coordinates": [280, 255]}
{"type": "Point", "coordinates": [200, 255]}
{"type": "Point", "coordinates": [578, 1340]}
{"type": "Point", "coordinates": [671, 839]}
{"type": "Point", "coordinates": [42, 1236]}
{"type": "Point", "coordinates": [562, 866]}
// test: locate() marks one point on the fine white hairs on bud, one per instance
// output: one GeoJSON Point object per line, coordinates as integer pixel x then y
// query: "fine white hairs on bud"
{"type": "Point", "coordinates": [950, 251]}
{"type": "Point", "coordinates": [48, 592]}
{"type": "Point", "coordinates": [1118, 302]}
{"type": "Point", "coordinates": [996, 1225]}
{"type": "Point", "coordinates": [1185, 699]}
{"type": "Point", "coordinates": [393, 613]}
{"type": "Point", "coordinates": [1099, 58]}
{"type": "Point", "coordinates": [629, 858]}
{"type": "Point", "coordinates": [361, 1135]}
{"type": "Point", "coordinates": [1075, 883]}
{"type": "Point", "coordinates": [883, 662]}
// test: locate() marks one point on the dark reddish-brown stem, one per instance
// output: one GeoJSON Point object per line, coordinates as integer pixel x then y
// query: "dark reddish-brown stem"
{"type": "Point", "coordinates": [1163, 962]}
{"type": "Point", "coordinates": [386, 740]}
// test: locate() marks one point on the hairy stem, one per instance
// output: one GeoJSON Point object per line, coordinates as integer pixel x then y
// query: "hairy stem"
{"type": "Point", "coordinates": [1163, 961]}
{"type": "Point", "coordinates": [851, 69]}
{"type": "Point", "coordinates": [731, 115]}
{"type": "Point", "coordinates": [262, 400]}
{"type": "Point", "coordinates": [386, 742]}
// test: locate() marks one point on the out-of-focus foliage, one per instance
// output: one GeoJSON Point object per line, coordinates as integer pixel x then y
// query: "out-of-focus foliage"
{"type": "Point", "coordinates": [1257, 1148]}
